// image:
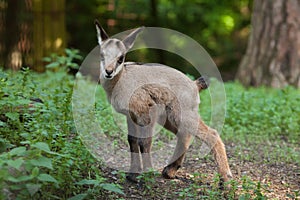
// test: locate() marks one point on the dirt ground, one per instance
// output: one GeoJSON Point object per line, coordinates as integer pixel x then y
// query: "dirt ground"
{"type": "Point", "coordinates": [281, 178]}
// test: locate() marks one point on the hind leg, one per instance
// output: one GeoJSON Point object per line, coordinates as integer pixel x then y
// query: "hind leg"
{"type": "Point", "coordinates": [214, 142]}
{"type": "Point", "coordinates": [183, 143]}
{"type": "Point", "coordinates": [176, 162]}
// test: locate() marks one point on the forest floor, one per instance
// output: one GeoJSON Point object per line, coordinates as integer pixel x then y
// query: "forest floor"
{"type": "Point", "coordinates": [255, 178]}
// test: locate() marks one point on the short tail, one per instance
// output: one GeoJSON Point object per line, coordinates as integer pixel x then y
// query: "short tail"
{"type": "Point", "coordinates": [202, 83]}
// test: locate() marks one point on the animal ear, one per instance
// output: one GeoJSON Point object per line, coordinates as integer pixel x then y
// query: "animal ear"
{"type": "Point", "coordinates": [101, 34]}
{"type": "Point", "coordinates": [129, 40]}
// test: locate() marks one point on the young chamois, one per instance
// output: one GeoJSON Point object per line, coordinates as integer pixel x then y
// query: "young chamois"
{"type": "Point", "coordinates": [153, 93]}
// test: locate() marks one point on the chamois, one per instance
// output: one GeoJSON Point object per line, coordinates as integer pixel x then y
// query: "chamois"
{"type": "Point", "coordinates": [153, 93]}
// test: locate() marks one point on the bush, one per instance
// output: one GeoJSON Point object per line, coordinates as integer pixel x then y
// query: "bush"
{"type": "Point", "coordinates": [41, 154]}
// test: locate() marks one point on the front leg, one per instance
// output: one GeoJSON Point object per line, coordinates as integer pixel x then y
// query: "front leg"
{"type": "Point", "coordinates": [145, 133]}
{"type": "Point", "coordinates": [141, 120]}
{"type": "Point", "coordinates": [145, 147]}
{"type": "Point", "coordinates": [135, 160]}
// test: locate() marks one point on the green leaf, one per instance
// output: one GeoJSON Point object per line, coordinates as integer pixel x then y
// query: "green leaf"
{"type": "Point", "coordinates": [3, 145]}
{"type": "Point", "coordinates": [12, 115]}
{"type": "Point", "coordinates": [25, 142]}
{"type": "Point", "coordinates": [42, 146]}
{"type": "Point", "coordinates": [35, 172]}
{"type": "Point", "coordinates": [17, 151]}
{"type": "Point", "coordinates": [53, 65]}
{"type": "Point", "coordinates": [47, 59]}
{"type": "Point", "coordinates": [88, 182]}
{"type": "Point", "coordinates": [15, 163]}
{"type": "Point", "coordinates": [19, 179]}
{"type": "Point", "coordinates": [23, 101]}
{"type": "Point", "coordinates": [46, 178]}
{"type": "Point", "coordinates": [12, 179]}
{"type": "Point", "coordinates": [25, 178]}
{"type": "Point", "coordinates": [33, 188]}
{"type": "Point", "coordinates": [79, 57]}
{"type": "Point", "coordinates": [69, 51]}
{"type": "Point", "coordinates": [2, 124]}
{"type": "Point", "coordinates": [78, 196]}
{"type": "Point", "coordinates": [112, 188]}
{"type": "Point", "coordinates": [42, 162]}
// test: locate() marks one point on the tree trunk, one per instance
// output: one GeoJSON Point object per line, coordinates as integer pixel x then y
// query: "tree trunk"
{"type": "Point", "coordinates": [15, 33]}
{"type": "Point", "coordinates": [155, 23]}
{"type": "Point", "coordinates": [49, 32]}
{"type": "Point", "coordinates": [11, 37]}
{"type": "Point", "coordinates": [273, 54]}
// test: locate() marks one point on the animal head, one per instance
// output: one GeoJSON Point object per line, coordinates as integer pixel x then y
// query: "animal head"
{"type": "Point", "coordinates": [113, 51]}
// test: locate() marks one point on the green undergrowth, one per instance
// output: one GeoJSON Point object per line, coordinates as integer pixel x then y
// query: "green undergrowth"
{"type": "Point", "coordinates": [262, 119]}
{"type": "Point", "coordinates": [42, 156]}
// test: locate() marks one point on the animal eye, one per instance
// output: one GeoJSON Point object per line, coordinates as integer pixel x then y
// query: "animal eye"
{"type": "Point", "coordinates": [120, 59]}
{"type": "Point", "coordinates": [101, 56]}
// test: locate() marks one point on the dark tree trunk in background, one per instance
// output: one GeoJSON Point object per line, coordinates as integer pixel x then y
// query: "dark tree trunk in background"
{"type": "Point", "coordinates": [15, 33]}
{"type": "Point", "coordinates": [49, 30]}
{"type": "Point", "coordinates": [10, 35]}
{"type": "Point", "coordinates": [155, 23]}
{"type": "Point", "coordinates": [29, 31]}
{"type": "Point", "coordinates": [273, 54]}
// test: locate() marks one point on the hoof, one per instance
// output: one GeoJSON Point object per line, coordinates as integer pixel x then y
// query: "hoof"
{"type": "Point", "coordinates": [169, 172]}
{"type": "Point", "coordinates": [224, 182]}
{"type": "Point", "coordinates": [132, 177]}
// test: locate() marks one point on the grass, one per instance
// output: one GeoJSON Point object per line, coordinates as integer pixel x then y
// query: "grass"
{"type": "Point", "coordinates": [43, 157]}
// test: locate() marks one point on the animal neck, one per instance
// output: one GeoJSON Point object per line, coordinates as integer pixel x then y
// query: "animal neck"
{"type": "Point", "coordinates": [109, 84]}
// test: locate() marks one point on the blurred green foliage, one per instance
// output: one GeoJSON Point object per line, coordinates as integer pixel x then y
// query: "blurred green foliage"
{"type": "Point", "coordinates": [221, 27]}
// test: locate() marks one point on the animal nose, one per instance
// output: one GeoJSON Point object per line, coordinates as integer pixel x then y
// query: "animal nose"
{"type": "Point", "coordinates": [108, 72]}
